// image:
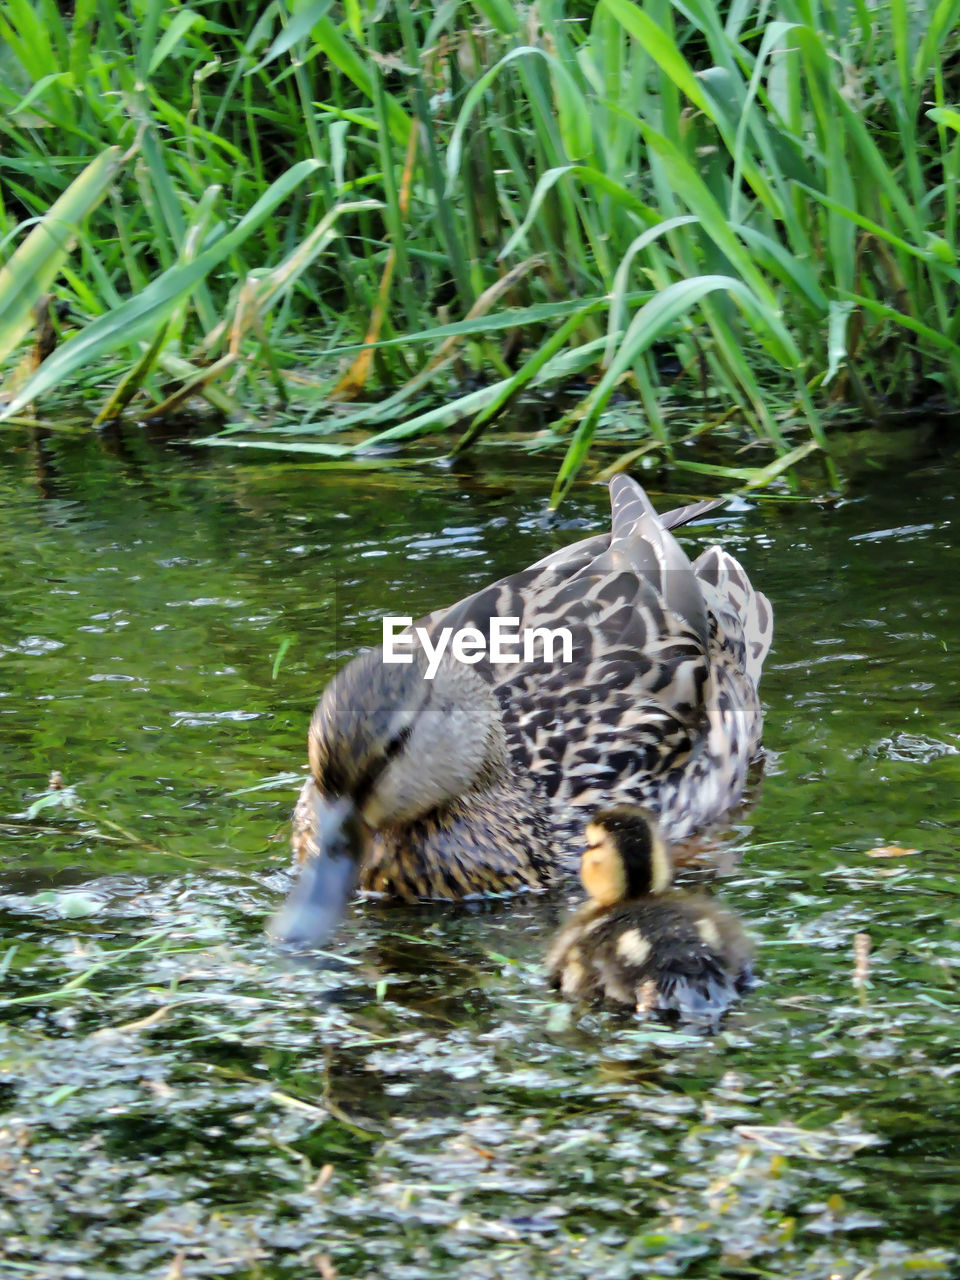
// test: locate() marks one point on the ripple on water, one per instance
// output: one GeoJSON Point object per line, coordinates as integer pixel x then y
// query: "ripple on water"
{"type": "Point", "coordinates": [181, 1097]}
{"type": "Point", "coordinates": [915, 748]}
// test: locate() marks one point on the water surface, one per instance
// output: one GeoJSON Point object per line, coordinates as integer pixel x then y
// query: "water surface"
{"type": "Point", "coordinates": [180, 1098]}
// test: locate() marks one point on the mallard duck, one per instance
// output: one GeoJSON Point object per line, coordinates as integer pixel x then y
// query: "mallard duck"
{"type": "Point", "coordinates": [635, 943]}
{"type": "Point", "coordinates": [450, 779]}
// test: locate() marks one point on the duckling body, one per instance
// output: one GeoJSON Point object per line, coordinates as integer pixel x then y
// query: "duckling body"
{"type": "Point", "coordinates": [479, 779]}
{"type": "Point", "coordinates": [637, 943]}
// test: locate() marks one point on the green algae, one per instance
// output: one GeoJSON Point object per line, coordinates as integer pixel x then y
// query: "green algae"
{"type": "Point", "coordinates": [181, 1098]}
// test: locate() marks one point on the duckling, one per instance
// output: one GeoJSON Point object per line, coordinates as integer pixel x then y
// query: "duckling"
{"type": "Point", "coordinates": [638, 944]}
{"type": "Point", "coordinates": [456, 779]}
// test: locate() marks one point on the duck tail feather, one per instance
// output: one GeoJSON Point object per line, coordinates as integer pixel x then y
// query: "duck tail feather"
{"type": "Point", "coordinates": [640, 540]}
{"type": "Point", "coordinates": [693, 511]}
{"type": "Point", "coordinates": [628, 501]}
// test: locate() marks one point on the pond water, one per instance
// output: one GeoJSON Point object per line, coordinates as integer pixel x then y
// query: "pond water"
{"type": "Point", "coordinates": [179, 1098]}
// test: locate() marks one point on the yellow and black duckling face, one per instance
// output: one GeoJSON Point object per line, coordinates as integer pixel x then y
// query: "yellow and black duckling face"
{"type": "Point", "coordinates": [387, 747]}
{"type": "Point", "coordinates": [677, 955]}
{"type": "Point", "coordinates": [625, 856]}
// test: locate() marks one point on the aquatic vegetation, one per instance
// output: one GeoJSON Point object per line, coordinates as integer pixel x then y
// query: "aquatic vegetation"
{"type": "Point", "coordinates": [740, 219]}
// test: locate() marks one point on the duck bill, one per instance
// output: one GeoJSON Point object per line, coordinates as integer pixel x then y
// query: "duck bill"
{"type": "Point", "coordinates": [327, 879]}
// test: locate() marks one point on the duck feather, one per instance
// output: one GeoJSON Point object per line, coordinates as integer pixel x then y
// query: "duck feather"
{"type": "Point", "coordinates": [657, 706]}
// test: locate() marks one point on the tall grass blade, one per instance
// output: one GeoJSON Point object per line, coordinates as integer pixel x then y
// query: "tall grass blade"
{"type": "Point", "coordinates": [38, 260]}
{"type": "Point", "coordinates": [149, 309]}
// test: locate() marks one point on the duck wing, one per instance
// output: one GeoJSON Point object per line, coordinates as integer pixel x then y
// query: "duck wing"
{"type": "Point", "coordinates": [628, 597]}
{"type": "Point", "coordinates": [639, 543]}
{"type": "Point", "coordinates": [605, 726]}
{"type": "Point", "coordinates": [627, 704]}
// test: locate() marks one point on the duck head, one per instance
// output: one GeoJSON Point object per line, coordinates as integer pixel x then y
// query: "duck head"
{"type": "Point", "coordinates": [387, 748]}
{"type": "Point", "coordinates": [625, 856]}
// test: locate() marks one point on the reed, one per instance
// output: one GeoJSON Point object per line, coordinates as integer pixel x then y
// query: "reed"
{"type": "Point", "coordinates": [740, 215]}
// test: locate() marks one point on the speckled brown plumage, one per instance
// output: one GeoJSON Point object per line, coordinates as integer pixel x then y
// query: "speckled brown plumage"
{"type": "Point", "coordinates": [675, 953]}
{"type": "Point", "coordinates": [457, 852]}
{"type": "Point", "coordinates": [479, 781]}
{"type": "Point", "coordinates": [460, 852]}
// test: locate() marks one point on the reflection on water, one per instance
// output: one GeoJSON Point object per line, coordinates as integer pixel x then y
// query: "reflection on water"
{"type": "Point", "coordinates": [418, 1103]}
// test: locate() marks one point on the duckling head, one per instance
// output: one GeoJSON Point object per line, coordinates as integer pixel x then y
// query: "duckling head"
{"type": "Point", "coordinates": [387, 747]}
{"type": "Point", "coordinates": [625, 856]}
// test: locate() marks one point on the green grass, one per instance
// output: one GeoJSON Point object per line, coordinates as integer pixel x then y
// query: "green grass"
{"type": "Point", "coordinates": [741, 216]}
